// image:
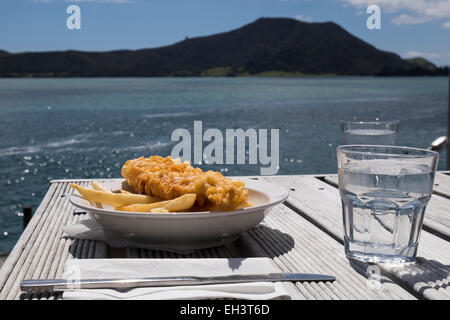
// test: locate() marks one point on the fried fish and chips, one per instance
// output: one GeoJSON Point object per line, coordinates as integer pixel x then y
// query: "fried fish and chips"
{"type": "Point", "coordinates": [169, 178]}
{"type": "Point", "coordinates": [168, 185]}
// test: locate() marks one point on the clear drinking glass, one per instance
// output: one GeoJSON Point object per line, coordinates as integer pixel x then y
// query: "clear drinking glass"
{"type": "Point", "coordinates": [375, 132]}
{"type": "Point", "coordinates": [384, 192]}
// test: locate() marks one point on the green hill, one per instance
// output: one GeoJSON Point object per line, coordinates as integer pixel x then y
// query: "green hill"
{"type": "Point", "coordinates": [266, 47]}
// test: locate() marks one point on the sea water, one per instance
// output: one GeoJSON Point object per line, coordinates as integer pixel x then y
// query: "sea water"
{"type": "Point", "coordinates": [369, 136]}
{"type": "Point", "coordinates": [88, 127]}
{"type": "Point", "coordinates": [383, 208]}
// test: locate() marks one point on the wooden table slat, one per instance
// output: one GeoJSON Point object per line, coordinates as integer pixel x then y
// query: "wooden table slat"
{"type": "Point", "coordinates": [16, 265]}
{"type": "Point", "coordinates": [320, 203]}
{"type": "Point", "coordinates": [437, 216]}
{"type": "Point", "coordinates": [14, 256]}
{"type": "Point", "coordinates": [298, 237]}
{"type": "Point", "coordinates": [442, 184]}
{"type": "Point", "coordinates": [327, 256]}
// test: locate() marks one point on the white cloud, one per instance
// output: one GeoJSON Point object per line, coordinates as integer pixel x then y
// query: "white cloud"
{"type": "Point", "coordinates": [415, 54]}
{"type": "Point", "coordinates": [409, 11]}
{"type": "Point", "coordinates": [446, 25]}
{"type": "Point", "coordinates": [409, 19]}
{"type": "Point", "coordinates": [303, 18]}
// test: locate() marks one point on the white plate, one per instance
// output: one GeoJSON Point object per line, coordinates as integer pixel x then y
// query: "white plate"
{"type": "Point", "coordinates": [187, 230]}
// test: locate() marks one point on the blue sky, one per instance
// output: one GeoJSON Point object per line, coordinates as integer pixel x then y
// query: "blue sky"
{"type": "Point", "coordinates": [409, 27]}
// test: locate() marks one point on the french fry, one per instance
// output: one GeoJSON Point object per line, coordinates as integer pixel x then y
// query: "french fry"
{"type": "Point", "coordinates": [159, 210]}
{"type": "Point", "coordinates": [125, 191]}
{"type": "Point", "coordinates": [184, 202]}
{"type": "Point", "coordinates": [97, 185]}
{"type": "Point", "coordinates": [178, 204]}
{"type": "Point", "coordinates": [113, 199]}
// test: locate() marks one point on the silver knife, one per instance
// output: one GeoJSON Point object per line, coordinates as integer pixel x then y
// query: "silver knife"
{"type": "Point", "coordinates": [129, 283]}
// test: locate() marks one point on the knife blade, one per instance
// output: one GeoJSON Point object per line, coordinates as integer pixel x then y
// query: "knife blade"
{"type": "Point", "coordinates": [129, 283]}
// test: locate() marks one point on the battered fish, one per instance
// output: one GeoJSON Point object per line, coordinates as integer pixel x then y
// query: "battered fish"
{"type": "Point", "coordinates": [169, 178]}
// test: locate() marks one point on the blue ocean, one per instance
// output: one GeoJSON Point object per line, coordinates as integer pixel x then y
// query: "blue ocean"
{"type": "Point", "coordinates": [87, 128]}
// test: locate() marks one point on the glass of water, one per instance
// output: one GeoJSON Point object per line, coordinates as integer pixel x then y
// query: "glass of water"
{"type": "Point", "coordinates": [375, 132]}
{"type": "Point", "coordinates": [384, 192]}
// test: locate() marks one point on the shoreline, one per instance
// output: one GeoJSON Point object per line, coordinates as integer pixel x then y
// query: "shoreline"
{"type": "Point", "coordinates": [272, 76]}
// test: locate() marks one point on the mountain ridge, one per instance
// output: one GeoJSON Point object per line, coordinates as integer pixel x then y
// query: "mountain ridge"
{"type": "Point", "coordinates": [267, 46]}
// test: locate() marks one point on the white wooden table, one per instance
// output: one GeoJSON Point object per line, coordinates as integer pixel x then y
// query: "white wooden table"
{"type": "Point", "coordinates": [302, 235]}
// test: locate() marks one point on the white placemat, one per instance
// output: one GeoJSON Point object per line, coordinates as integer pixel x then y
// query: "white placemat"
{"type": "Point", "coordinates": [89, 229]}
{"type": "Point", "coordinates": [126, 268]}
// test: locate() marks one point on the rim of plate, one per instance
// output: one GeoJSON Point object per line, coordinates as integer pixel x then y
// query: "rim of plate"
{"type": "Point", "coordinates": [280, 194]}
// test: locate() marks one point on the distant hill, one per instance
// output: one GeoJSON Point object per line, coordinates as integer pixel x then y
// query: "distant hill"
{"type": "Point", "coordinates": [422, 63]}
{"type": "Point", "coordinates": [267, 46]}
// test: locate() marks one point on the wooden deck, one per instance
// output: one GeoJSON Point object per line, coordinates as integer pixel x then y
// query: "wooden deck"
{"type": "Point", "coordinates": [2, 259]}
{"type": "Point", "coordinates": [302, 235]}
